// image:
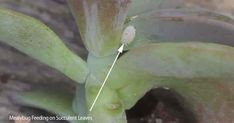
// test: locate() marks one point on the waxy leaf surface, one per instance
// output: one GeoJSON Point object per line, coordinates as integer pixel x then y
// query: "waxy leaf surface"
{"type": "Point", "coordinates": [201, 72]}
{"type": "Point", "coordinates": [35, 39]}
{"type": "Point", "coordinates": [100, 23]}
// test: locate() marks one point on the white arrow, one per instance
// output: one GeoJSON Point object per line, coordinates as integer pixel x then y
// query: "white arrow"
{"type": "Point", "coordinates": [120, 50]}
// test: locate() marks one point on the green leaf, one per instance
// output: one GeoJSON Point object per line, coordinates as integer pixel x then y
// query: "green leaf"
{"type": "Point", "coordinates": [179, 25]}
{"type": "Point", "coordinates": [108, 108]}
{"type": "Point", "coordinates": [35, 39]}
{"type": "Point", "coordinates": [79, 103]}
{"type": "Point", "coordinates": [211, 100]}
{"type": "Point", "coordinates": [100, 23]}
{"type": "Point", "coordinates": [50, 99]}
{"type": "Point", "coordinates": [138, 7]}
{"type": "Point", "coordinates": [201, 72]}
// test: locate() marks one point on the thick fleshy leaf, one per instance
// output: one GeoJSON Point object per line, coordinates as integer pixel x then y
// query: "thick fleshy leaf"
{"type": "Point", "coordinates": [52, 100]}
{"type": "Point", "coordinates": [100, 23]}
{"type": "Point", "coordinates": [138, 7]}
{"type": "Point", "coordinates": [108, 108]}
{"type": "Point", "coordinates": [79, 103]}
{"type": "Point", "coordinates": [211, 100]}
{"type": "Point", "coordinates": [38, 41]}
{"type": "Point", "coordinates": [201, 72]}
{"type": "Point", "coordinates": [102, 111]}
{"type": "Point", "coordinates": [178, 25]}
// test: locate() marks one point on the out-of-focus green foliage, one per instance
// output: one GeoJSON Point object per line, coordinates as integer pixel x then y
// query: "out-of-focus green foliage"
{"type": "Point", "coordinates": [36, 40]}
{"type": "Point", "coordinates": [55, 101]}
{"type": "Point", "coordinates": [138, 7]}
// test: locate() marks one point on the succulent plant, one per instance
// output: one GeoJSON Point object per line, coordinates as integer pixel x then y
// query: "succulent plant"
{"type": "Point", "coordinates": [200, 71]}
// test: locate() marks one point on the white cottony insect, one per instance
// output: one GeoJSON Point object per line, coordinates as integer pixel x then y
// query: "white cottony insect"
{"type": "Point", "coordinates": [128, 34]}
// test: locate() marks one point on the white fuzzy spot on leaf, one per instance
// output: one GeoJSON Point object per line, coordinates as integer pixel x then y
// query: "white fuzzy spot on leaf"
{"type": "Point", "coordinates": [128, 35]}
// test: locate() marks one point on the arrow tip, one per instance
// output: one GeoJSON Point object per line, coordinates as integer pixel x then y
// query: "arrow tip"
{"type": "Point", "coordinates": [121, 48]}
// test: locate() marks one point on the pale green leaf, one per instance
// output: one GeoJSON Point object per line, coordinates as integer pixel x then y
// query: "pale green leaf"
{"type": "Point", "coordinates": [180, 25]}
{"type": "Point", "coordinates": [50, 99]}
{"type": "Point", "coordinates": [79, 102]}
{"type": "Point", "coordinates": [35, 39]}
{"type": "Point", "coordinates": [138, 7]}
{"type": "Point", "coordinates": [100, 23]}
{"type": "Point", "coordinates": [201, 72]}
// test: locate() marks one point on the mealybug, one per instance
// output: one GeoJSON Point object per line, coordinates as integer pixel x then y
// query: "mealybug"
{"type": "Point", "coordinates": [128, 35]}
